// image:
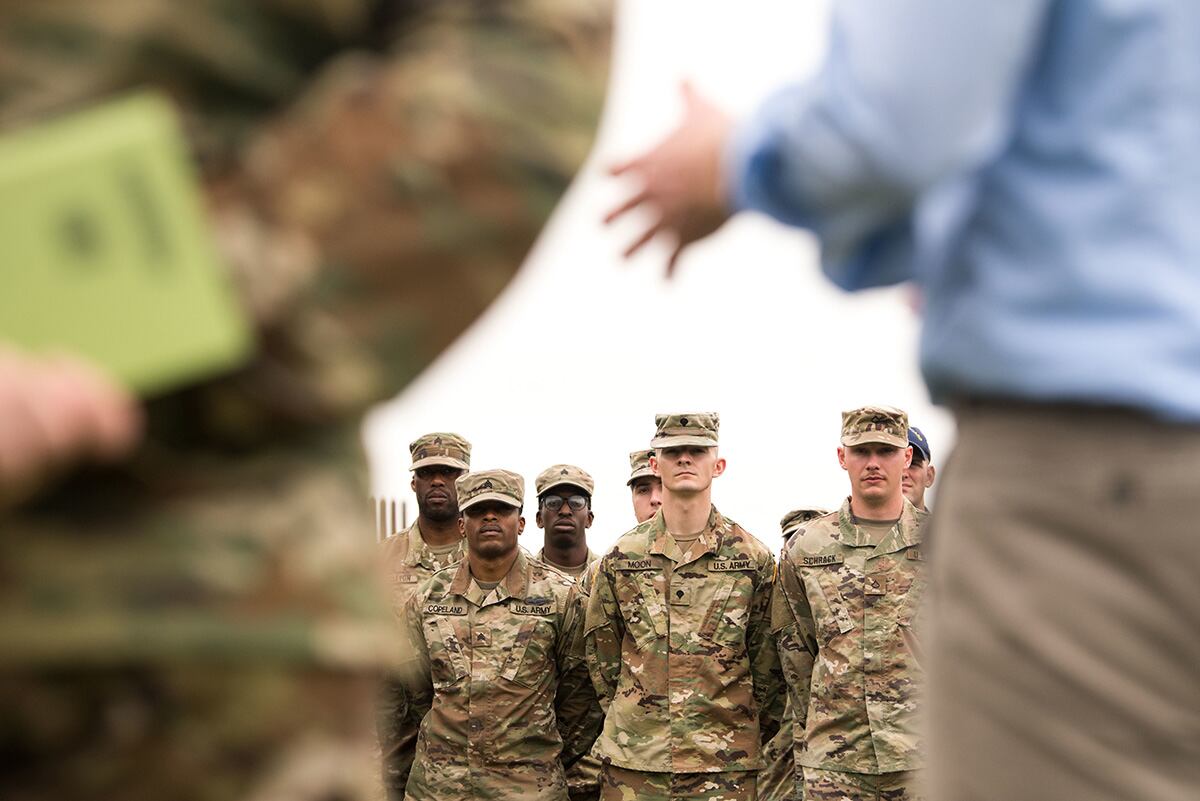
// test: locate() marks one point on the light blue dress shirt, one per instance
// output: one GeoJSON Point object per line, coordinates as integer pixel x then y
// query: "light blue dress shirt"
{"type": "Point", "coordinates": [1034, 165]}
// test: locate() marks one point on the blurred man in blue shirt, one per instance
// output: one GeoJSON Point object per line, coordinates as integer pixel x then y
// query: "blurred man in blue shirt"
{"type": "Point", "coordinates": [1034, 166]}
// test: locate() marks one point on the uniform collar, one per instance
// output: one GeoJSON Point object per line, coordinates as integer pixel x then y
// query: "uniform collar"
{"type": "Point", "coordinates": [515, 583]}
{"type": "Point", "coordinates": [541, 557]}
{"type": "Point", "coordinates": [709, 541]}
{"type": "Point", "coordinates": [418, 549]}
{"type": "Point", "coordinates": [905, 533]}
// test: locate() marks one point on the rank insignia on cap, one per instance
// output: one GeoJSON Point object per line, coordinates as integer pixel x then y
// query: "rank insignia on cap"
{"type": "Point", "coordinates": [683, 421]}
{"type": "Point", "coordinates": [563, 472]}
{"type": "Point", "coordinates": [486, 485]}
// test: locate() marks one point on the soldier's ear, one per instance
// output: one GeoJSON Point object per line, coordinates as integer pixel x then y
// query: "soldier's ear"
{"type": "Point", "coordinates": [591, 517]}
{"type": "Point", "coordinates": [462, 525]}
{"type": "Point", "coordinates": [929, 474]}
{"type": "Point", "coordinates": [719, 466]}
{"type": "Point", "coordinates": [908, 457]}
{"type": "Point", "coordinates": [654, 465]}
{"type": "Point", "coordinates": [537, 518]}
{"type": "Point", "coordinates": [521, 525]}
{"type": "Point", "coordinates": [413, 484]}
{"type": "Point", "coordinates": [842, 457]}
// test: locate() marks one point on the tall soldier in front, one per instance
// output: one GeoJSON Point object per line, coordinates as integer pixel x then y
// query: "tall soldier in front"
{"type": "Point", "coordinates": [495, 664]}
{"type": "Point", "coordinates": [849, 587]}
{"type": "Point", "coordinates": [679, 641]}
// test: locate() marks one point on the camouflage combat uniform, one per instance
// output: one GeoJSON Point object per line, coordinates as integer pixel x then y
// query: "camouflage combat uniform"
{"type": "Point", "coordinates": [843, 617]}
{"type": "Point", "coordinates": [511, 697]}
{"type": "Point", "coordinates": [592, 558]}
{"type": "Point", "coordinates": [779, 779]}
{"type": "Point", "coordinates": [680, 651]}
{"type": "Point", "coordinates": [183, 625]}
{"type": "Point", "coordinates": [583, 778]}
{"type": "Point", "coordinates": [407, 562]}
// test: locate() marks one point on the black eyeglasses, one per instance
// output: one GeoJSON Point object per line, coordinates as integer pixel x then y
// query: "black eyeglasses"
{"type": "Point", "coordinates": [555, 502]}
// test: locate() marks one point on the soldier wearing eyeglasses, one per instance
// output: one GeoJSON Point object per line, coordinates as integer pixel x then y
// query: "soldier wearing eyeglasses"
{"type": "Point", "coordinates": [565, 514]}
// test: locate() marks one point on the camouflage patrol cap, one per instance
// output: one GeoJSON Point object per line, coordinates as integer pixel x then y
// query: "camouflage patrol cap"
{"type": "Point", "coordinates": [639, 466]}
{"type": "Point", "coordinates": [691, 428]}
{"type": "Point", "coordinates": [504, 486]}
{"type": "Point", "coordinates": [884, 424]}
{"type": "Point", "coordinates": [560, 474]}
{"type": "Point", "coordinates": [440, 448]}
{"type": "Point", "coordinates": [798, 517]}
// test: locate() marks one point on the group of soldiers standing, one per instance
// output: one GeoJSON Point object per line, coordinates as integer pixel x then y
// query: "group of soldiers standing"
{"type": "Point", "coordinates": [686, 662]}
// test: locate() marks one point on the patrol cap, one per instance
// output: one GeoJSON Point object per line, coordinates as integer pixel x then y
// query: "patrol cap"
{"type": "Point", "coordinates": [504, 486]}
{"type": "Point", "coordinates": [798, 517]}
{"type": "Point", "coordinates": [440, 448]}
{"type": "Point", "coordinates": [560, 474]}
{"type": "Point", "coordinates": [884, 424]}
{"type": "Point", "coordinates": [689, 428]}
{"type": "Point", "coordinates": [919, 442]}
{"type": "Point", "coordinates": [639, 466]}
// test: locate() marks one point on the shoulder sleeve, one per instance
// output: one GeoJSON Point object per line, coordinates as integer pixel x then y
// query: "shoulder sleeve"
{"type": "Point", "coordinates": [603, 632]}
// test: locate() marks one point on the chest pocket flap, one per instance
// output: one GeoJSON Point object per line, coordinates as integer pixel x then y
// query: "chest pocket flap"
{"type": "Point", "coordinates": [640, 604]}
{"type": "Point", "coordinates": [448, 660]}
{"type": "Point", "coordinates": [528, 661]}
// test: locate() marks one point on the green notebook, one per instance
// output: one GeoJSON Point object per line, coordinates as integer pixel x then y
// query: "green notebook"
{"type": "Point", "coordinates": [105, 248]}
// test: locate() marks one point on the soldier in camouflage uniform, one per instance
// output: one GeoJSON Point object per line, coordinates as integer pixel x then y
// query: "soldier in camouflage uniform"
{"type": "Point", "coordinates": [779, 780]}
{"type": "Point", "coordinates": [848, 590]}
{"type": "Point", "coordinates": [496, 665]}
{"type": "Point", "coordinates": [644, 486]}
{"type": "Point", "coordinates": [919, 475]}
{"type": "Point", "coordinates": [565, 538]}
{"type": "Point", "coordinates": [432, 542]}
{"type": "Point", "coordinates": [197, 622]}
{"type": "Point", "coordinates": [679, 640]}
{"type": "Point", "coordinates": [565, 526]}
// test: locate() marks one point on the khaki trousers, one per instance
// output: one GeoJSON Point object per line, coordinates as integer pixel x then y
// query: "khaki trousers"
{"type": "Point", "coordinates": [1064, 633]}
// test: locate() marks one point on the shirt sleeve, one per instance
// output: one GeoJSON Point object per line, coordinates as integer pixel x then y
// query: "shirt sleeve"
{"type": "Point", "coordinates": [911, 92]}
{"type": "Point", "coordinates": [764, 659]}
{"type": "Point", "coordinates": [795, 636]}
{"type": "Point", "coordinates": [603, 632]}
{"type": "Point", "coordinates": [576, 706]}
{"type": "Point", "coordinates": [413, 673]}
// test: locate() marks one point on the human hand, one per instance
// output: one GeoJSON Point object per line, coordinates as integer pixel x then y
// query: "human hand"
{"type": "Point", "coordinates": [55, 411]}
{"type": "Point", "coordinates": [682, 177]}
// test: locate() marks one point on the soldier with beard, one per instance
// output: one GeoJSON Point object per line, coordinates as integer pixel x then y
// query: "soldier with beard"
{"type": "Point", "coordinates": [432, 542]}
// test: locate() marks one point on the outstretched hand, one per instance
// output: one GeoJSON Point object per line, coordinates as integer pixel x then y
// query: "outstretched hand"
{"type": "Point", "coordinates": [682, 178]}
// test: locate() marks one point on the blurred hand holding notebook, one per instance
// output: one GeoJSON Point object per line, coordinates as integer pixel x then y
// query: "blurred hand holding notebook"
{"type": "Point", "coordinates": [106, 249]}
